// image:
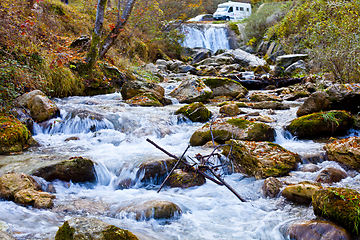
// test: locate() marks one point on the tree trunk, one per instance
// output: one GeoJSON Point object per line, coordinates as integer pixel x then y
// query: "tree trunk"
{"type": "Point", "coordinates": [110, 39]}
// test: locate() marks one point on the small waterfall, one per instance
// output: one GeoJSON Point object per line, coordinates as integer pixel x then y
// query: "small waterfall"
{"type": "Point", "coordinates": [210, 36]}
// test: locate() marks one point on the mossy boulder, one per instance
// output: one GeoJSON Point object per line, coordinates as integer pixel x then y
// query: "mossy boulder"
{"type": "Point", "coordinates": [232, 128]}
{"type": "Point", "coordinates": [301, 192]}
{"type": "Point", "coordinates": [37, 199]}
{"type": "Point", "coordinates": [157, 209]}
{"type": "Point", "coordinates": [14, 136]}
{"type": "Point", "coordinates": [331, 175]}
{"type": "Point", "coordinates": [76, 169]}
{"type": "Point", "coordinates": [224, 86]}
{"type": "Point", "coordinates": [271, 187]}
{"type": "Point", "coordinates": [339, 205]}
{"type": "Point", "coordinates": [184, 179]}
{"type": "Point", "coordinates": [192, 90]}
{"type": "Point", "coordinates": [89, 228]}
{"type": "Point", "coordinates": [260, 159]}
{"type": "Point", "coordinates": [345, 151]}
{"type": "Point", "coordinates": [40, 106]}
{"type": "Point", "coordinates": [196, 112]}
{"type": "Point", "coordinates": [316, 230]}
{"type": "Point", "coordinates": [144, 100]}
{"type": "Point", "coordinates": [320, 124]}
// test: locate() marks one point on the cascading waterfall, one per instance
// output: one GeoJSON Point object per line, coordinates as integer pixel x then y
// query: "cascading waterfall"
{"type": "Point", "coordinates": [210, 36]}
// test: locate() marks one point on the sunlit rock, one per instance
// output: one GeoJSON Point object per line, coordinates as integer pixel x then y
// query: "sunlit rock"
{"type": "Point", "coordinates": [320, 124]}
{"type": "Point", "coordinates": [230, 110]}
{"type": "Point", "coordinates": [232, 128]}
{"type": "Point", "coordinates": [140, 87]}
{"type": "Point", "coordinates": [182, 179]}
{"type": "Point", "coordinates": [192, 90]}
{"type": "Point", "coordinates": [77, 169]}
{"type": "Point", "coordinates": [317, 230]}
{"type": "Point", "coordinates": [260, 159]}
{"type": "Point", "coordinates": [224, 86]}
{"type": "Point", "coordinates": [90, 228]}
{"type": "Point", "coordinates": [14, 136]}
{"type": "Point", "coordinates": [40, 106]}
{"type": "Point", "coordinates": [340, 205]}
{"type": "Point", "coordinates": [196, 112]}
{"type": "Point", "coordinates": [271, 187]}
{"type": "Point", "coordinates": [37, 199]}
{"type": "Point", "coordinates": [331, 175]}
{"type": "Point", "coordinates": [301, 192]}
{"type": "Point", "coordinates": [157, 209]}
{"type": "Point", "coordinates": [12, 183]}
{"type": "Point", "coordinates": [345, 151]}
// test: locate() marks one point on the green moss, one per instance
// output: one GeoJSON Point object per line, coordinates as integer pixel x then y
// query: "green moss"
{"type": "Point", "coordinates": [240, 123]}
{"type": "Point", "coordinates": [113, 232]}
{"type": "Point", "coordinates": [13, 135]}
{"type": "Point", "coordinates": [261, 132]}
{"type": "Point", "coordinates": [242, 104]}
{"type": "Point", "coordinates": [196, 112]}
{"type": "Point", "coordinates": [65, 232]}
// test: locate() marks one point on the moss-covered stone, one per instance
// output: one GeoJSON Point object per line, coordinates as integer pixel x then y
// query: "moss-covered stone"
{"type": "Point", "coordinates": [183, 179]}
{"type": "Point", "coordinates": [113, 232]}
{"type": "Point", "coordinates": [224, 86]}
{"type": "Point", "coordinates": [232, 128]}
{"type": "Point", "coordinates": [14, 136]}
{"type": "Point", "coordinates": [144, 100]}
{"type": "Point", "coordinates": [77, 169]}
{"type": "Point", "coordinates": [196, 112]}
{"type": "Point", "coordinates": [320, 124]}
{"type": "Point", "coordinates": [260, 159]}
{"type": "Point", "coordinates": [340, 205]}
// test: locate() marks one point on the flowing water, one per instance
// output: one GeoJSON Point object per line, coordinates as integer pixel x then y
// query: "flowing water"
{"type": "Point", "coordinates": [113, 135]}
{"type": "Point", "coordinates": [210, 36]}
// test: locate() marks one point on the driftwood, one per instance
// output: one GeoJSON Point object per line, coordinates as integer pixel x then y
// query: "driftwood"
{"type": "Point", "coordinates": [200, 168]}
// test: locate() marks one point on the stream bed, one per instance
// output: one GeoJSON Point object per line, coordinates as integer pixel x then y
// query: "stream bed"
{"type": "Point", "coordinates": [113, 135]}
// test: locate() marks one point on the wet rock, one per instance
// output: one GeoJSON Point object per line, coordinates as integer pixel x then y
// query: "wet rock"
{"type": "Point", "coordinates": [232, 128]}
{"type": "Point", "coordinates": [340, 205]}
{"type": "Point", "coordinates": [271, 187]}
{"type": "Point", "coordinates": [41, 107]}
{"type": "Point", "coordinates": [196, 112]}
{"type": "Point", "coordinates": [31, 197]}
{"type": "Point", "coordinates": [224, 86]}
{"type": "Point", "coordinates": [72, 139]}
{"type": "Point", "coordinates": [274, 105]}
{"type": "Point", "coordinates": [191, 90]}
{"type": "Point", "coordinates": [261, 97]}
{"type": "Point", "coordinates": [315, 103]}
{"type": "Point", "coordinates": [140, 87]}
{"type": "Point", "coordinates": [201, 55]}
{"type": "Point", "coordinates": [344, 97]}
{"type": "Point", "coordinates": [157, 209]}
{"type": "Point", "coordinates": [76, 169]}
{"type": "Point", "coordinates": [155, 169]}
{"type": "Point", "coordinates": [301, 192]}
{"type": "Point", "coordinates": [83, 114]}
{"type": "Point", "coordinates": [14, 136]}
{"type": "Point", "coordinates": [184, 179]}
{"type": "Point", "coordinates": [12, 183]}
{"type": "Point", "coordinates": [310, 167]}
{"type": "Point", "coordinates": [6, 236]}
{"type": "Point", "coordinates": [320, 124]}
{"type": "Point", "coordinates": [260, 159]}
{"type": "Point", "coordinates": [317, 230]}
{"type": "Point", "coordinates": [81, 206]}
{"type": "Point", "coordinates": [331, 175]}
{"type": "Point", "coordinates": [345, 151]}
{"type": "Point", "coordinates": [144, 100]}
{"type": "Point", "coordinates": [230, 110]}
{"type": "Point", "coordinates": [89, 228]}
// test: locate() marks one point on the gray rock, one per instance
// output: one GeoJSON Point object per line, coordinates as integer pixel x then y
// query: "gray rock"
{"type": "Point", "coordinates": [299, 66]}
{"type": "Point", "coordinates": [315, 103]}
{"type": "Point", "coordinates": [192, 90]}
{"type": "Point", "coordinates": [246, 59]}
{"type": "Point", "coordinates": [201, 55]}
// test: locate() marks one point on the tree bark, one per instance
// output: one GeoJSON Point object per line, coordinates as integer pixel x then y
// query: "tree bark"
{"type": "Point", "coordinates": [111, 37]}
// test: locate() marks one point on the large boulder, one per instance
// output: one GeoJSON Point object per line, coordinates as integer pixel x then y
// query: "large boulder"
{"type": "Point", "coordinates": [246, 59]}
{"type": "Point", "coordinates": [140, 87]}
{"type": "Point", "coordinates": [192, 90]}
{"type": "Point", "coordinates": [317, 230]}
{"type": "Point", "coordinates": [232, 128]}
{"type": "Point", "coordinates": [224, 86]}
{"type": "Point", "coordinates": [321, 123]}
{"type": "Point", "coordinates": [182, 179]}
{"type": "Point", "coordinates": [155, 169]}
{"type": "Point", "coordinates": [14, 136]}
{"type": "Point", "coordinates": [196, 112]}
{"type": "Point", "coordinates": [331, 175]}
{"type": "Point", "coordinates": [344, 97]}
{"type": "Point", "coordinates": [345, 151]}
{"type": "Point", "coordinates": [90, 228]}
{"type": "Point", "coordinates": [40, 106]}
{"type": "Point", "coordinates": [340, 205]}
{"type": "Point", "coordinates": [315, 103]}
{"type": "Point", "coordinates": [76, 169]}
{"type": "Point", "coordinates": [157, 209]}
{"type": "Point", "coordinates": [260, 159]}
{"type": "Point", "coordinates": [201, 55]}
{"type": "Point", "coordinates": [301, 192]}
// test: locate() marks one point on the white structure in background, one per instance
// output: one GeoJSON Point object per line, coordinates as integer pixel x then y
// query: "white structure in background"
{"type": "Point", "coordinates": [232, 11]}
